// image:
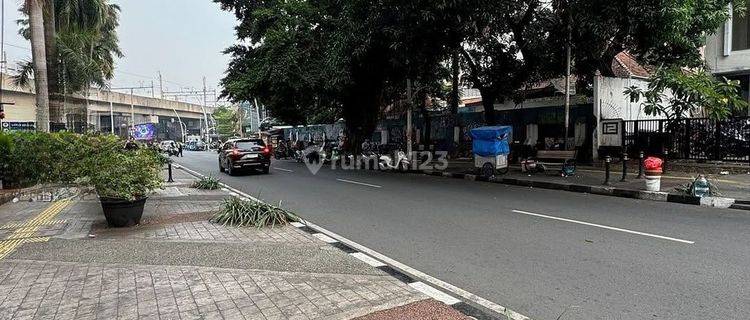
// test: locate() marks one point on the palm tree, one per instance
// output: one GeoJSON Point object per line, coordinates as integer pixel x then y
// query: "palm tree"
{"type": "Point", "coordinates": [85, 44]}
{"type": "Point", "coordinates": [39, 58]}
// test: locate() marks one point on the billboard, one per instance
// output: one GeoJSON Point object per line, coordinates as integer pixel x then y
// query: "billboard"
{"type": "Point", "coordinates": [146, 131]}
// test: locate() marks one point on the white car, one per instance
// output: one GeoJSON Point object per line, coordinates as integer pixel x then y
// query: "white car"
{"type": "Point", "coordinates": [169, 147]}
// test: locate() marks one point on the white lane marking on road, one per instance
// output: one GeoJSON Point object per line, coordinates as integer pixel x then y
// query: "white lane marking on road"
{"type": "Point", "coordinates": [324, 237]}
{"type": "Point", "coordinates": [434, 293]}
{"type": "Point", "coordinates": [282, 169]}
{"type": "Point", "coordinates": [367, 259]}
{"type": "Point", "coordinates": [603, 226]}
{"type": "Point", "coordinates": [510, 314]}
{"type": "Point", "coordinates": [297, 224]}
{"type": "Point", "coordinates": [359, 183]}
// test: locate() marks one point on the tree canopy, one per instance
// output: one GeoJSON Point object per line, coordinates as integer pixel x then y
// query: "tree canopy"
{"type": "Point", "coordinates": [308, 60]}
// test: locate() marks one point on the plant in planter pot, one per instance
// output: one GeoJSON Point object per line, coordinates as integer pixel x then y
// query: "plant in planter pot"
{"type": "Point", "coordinates": [123, 179]}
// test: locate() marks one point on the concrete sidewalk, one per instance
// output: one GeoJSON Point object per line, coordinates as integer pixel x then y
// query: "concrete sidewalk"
{"type": "Point", "coordinates": [734, 186]}
{"type": "Point", "coordinates": [59, 261]}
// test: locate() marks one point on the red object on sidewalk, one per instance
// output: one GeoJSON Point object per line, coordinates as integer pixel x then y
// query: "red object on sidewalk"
{"type": "Point", "coordinates": [653, 163]}
{"type": "Point", "coordinates": [653, 166]}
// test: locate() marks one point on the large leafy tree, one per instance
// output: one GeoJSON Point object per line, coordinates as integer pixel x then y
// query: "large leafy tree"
{"type": "Point", "coordinates": [310, 60]}
{"type": "Point", "coordinates": [80, 44]}
{"type": "Point", "coordinates": [508, 48]}
{"type": "Point", "coordinates": [662, 33]}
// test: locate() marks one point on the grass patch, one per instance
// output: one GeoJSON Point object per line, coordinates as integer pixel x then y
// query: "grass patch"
{"type": "Point", "coordinates": [207, 183]}
{"type": "Point", "coordinates": [243, 213]}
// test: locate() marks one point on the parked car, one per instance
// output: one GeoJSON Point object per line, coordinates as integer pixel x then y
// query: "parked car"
{"type": "Point", "coordinates": [195, 146]}
{"type": "Point", "coordinates": [239, 154]}
{"type": "Point", "coordinates": [169, 147]}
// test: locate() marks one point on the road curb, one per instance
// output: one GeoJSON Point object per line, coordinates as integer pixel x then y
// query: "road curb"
{"type": "Point", "coordinates": [462, 301]}
{"type": "Point", "coordinates": [712, 202]}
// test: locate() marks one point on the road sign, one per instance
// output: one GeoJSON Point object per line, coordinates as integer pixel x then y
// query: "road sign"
{"type": "Point", "coordinates": [18, 126]}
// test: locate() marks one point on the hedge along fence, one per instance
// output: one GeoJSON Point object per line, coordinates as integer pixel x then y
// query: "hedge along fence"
{"type": "Point", "coordinates": [67, 158]}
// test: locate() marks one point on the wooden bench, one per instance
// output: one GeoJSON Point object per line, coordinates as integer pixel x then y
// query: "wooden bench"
{"type": "Point", "coordinates": [562, 158]}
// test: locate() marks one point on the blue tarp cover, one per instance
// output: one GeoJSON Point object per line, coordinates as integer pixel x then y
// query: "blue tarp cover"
{"type": "Point", "coordinates": [491, 141]}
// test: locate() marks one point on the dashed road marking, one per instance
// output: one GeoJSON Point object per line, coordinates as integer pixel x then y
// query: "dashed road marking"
{"type": "Point", "coordinates": [282, 169]}
{"type": "Point", "coordinates": [468, 296]}
{"type": "Point", "coordinates": [603, 226]}
{"type": "Point", "coordinates": [359, 183]}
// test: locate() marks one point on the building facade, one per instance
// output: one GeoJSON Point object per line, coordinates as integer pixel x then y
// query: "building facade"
{"type": "Point", "coordinates": [727, 51]}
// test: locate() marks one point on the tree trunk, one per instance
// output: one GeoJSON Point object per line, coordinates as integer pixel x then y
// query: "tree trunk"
{"type": "Point", "coordinates": [455, 79]}
{"type": "Point", "coordinates": [56, 106]}
{"type": "Point", "coordinates": [488, 102]}
{"type": "Point", "coordinates": [39, 57]}
{"type": "Point", "coordinates": [426, 118]}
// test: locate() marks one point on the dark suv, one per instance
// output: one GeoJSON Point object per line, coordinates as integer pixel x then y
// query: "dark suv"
{"type": "Point", "coordinates": [238, 154]}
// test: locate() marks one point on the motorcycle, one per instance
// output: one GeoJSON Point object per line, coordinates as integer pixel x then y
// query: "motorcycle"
{"type": "Point", "coordinates": [281, 152]}
{"type": "Point", "coordinates": [397, 161]}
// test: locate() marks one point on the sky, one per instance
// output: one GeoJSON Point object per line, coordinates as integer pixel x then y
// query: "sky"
{"type": "Point", "coordinates": [182, 39]}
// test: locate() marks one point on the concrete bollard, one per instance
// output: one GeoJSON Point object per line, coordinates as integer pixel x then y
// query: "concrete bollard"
{"type": "Point", "coordinates": [641, 156]}
{"type": "Point", "coordinates": [607, 162]}
{"type": "Point", "coordinates": [169, 163]}
{"type": "Point", "coordinates": [624, 167]}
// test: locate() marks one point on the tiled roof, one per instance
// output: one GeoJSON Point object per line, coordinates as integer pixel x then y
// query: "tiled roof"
{"type": "Point", "coordinates": [624, 65]}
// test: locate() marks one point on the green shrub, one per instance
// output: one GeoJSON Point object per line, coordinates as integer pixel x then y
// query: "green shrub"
{"type": "Point", "coordinates": [207, 183]}
{"type": "Point", "coordinates": [123, 174]}
{"type": "Point", "coordinates": [244, 213]}
{"type": "Point", "coordinates": [92, 159]}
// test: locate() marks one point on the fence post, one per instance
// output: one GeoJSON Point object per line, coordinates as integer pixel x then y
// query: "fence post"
{"type": "Point", "coordinates": [640, 165]}
{"type": "Point", "coordinates": [717, 143]}
{"type": "Point", "coordinates": [624, 167]}
{"type": "Point", "coordinates": [607, 162]}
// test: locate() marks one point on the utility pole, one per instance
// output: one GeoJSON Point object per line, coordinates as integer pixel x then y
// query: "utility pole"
{"type": "Point", "coordinates": [132, 112]}
{"type": "Point", "coordinates": [132, 103]}
{"type": "Point", "coordinates": [161, 86]}
{"type": "Point", "coordinates": [567, 77]}
{"type": "Point", "coordinates": [199, 94]}
{"type": "Point", "coordinates": [205, 116]}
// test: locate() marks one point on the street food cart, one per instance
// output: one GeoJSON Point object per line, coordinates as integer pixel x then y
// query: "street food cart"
{"type": "Point", "coordinates": [490, 146]}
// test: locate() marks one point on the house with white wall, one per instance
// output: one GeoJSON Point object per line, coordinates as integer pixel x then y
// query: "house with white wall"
{"type": "Point", "coordinates": [727, 51]}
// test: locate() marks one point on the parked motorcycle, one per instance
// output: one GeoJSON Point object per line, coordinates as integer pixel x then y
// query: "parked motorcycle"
{"type": "Point", "coordinates": [396, 161]}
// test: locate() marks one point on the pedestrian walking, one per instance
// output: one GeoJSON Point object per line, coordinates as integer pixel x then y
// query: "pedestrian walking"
{"type": "Point", "coordinates": [179, 149]}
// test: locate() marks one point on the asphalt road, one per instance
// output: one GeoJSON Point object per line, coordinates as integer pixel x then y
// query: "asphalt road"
{"type": "Point", "coordinates": [539, 252]}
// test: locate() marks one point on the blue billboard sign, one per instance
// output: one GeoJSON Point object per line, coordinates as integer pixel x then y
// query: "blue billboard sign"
{"type": "Point", "coordinates": [146, 131]}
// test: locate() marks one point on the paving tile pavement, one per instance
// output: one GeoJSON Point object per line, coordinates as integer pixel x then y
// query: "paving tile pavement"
{"type": "Point", "coordinates": [39, 284]}
{"type": "Point", "coordinates": [59, 290]}
{"type": "Point", "coordinates": [207, 231]}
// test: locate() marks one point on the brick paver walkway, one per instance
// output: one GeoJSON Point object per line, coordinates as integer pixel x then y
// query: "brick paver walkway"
{"type": "Point", "coordinates": [59, 290]}
{"type": "Point", "coordinates": [51, 286]}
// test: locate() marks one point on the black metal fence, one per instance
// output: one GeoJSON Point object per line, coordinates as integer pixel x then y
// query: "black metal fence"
{"type": "Point", "coordinates": [695, 138]}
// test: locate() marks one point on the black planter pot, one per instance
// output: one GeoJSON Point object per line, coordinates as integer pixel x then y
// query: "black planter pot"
{"type": "Point", "coordinates": [122, 213]}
